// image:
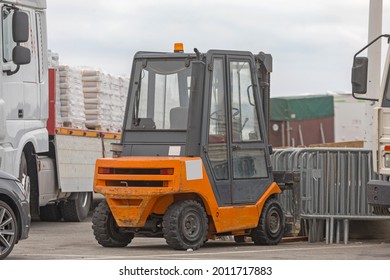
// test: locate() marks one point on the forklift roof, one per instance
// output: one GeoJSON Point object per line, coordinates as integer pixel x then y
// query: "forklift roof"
{"type": "Point", "coordinates": [149, 54]}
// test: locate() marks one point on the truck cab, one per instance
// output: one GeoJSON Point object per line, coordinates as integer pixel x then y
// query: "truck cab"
{"type": "Point", "coordinates": [378, 191]}
{"type": "Point", "coordinates": [23, 93]}
{"type": "Point", "coordinates": [23, 87]}
{"type": "Point", "coordinates": [57, 169]}
{"type": "Point", "coordinates": [194, 159]}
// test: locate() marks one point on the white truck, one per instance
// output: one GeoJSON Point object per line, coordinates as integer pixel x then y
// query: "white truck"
{"type": "Point", "coordinates": [56, 163]}
{"type": "Point", "coordinates": [378, 191]}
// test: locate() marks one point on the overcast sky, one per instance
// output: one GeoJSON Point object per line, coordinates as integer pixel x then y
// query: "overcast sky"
{"type": "Point", "coordinates": [312, 41]}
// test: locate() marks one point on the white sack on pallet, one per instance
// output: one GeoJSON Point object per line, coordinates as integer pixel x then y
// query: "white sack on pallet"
{"type": "Point", "coordinates": [102, 100]}
{"type": "Point", "coordinates": [71, 97]}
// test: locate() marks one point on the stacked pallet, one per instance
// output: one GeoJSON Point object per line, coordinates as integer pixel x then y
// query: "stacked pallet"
{"type": "Point", "coordinates": [96, 100]}
{"type": "Point", "coordinates": [71, 97]}
{"type": "Point", "coordinates": [104, 108]}
{"type": "Point", "coordinates": [88, 98]}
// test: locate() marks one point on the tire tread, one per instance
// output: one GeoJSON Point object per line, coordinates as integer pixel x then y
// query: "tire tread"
{"type": "Point", "coordinates": [171, 230]}
{"type": "Point", "coordinates": [100, 219]}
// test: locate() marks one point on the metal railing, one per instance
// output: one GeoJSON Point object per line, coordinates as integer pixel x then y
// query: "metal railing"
{"type": "Point", "coordinates": [332, 189]}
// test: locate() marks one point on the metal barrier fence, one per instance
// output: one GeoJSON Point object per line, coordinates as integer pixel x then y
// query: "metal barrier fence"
{"type": "Point", "coordinates": [332, 189]}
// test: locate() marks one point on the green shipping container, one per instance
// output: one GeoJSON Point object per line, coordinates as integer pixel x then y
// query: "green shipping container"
{"type": "Point", "coordinates": [295, 108]}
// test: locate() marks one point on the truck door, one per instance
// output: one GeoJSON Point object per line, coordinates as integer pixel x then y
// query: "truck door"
{"type": "Point", "coordinates": [236, 148]}
{"type": "Point", "coordinates": [20, 89]}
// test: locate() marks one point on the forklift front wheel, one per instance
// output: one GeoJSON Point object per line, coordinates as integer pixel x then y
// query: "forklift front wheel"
{"type": "Point", "coordinates": [185, 225]}
{"type": "Point", "coordinates": [270, 229]}
{"type": "Point", "coordinates": [106, 231]}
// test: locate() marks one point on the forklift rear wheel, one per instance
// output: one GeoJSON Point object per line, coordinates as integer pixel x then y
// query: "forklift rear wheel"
{"type": "Point", "coordinates": [185, 225]}
{"type": "Point", "coordinates": [270, 229]}
{"type": "Point", "coordinates": [106, 231]}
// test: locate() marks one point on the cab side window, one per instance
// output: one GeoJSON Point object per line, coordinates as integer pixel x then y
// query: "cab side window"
{"type": "Point", "coordinates": [8, 42]}
{"type": "Point", "coordinates": [217, 147]}
{"type": "Point", "coordinates": [244, 116]}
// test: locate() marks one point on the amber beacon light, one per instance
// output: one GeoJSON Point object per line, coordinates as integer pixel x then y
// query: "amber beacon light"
{"type": "Point", "coordinates": [178, 47]}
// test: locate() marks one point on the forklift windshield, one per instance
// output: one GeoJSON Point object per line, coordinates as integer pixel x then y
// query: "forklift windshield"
{"type": "Point", "coordinates": [161, 97]}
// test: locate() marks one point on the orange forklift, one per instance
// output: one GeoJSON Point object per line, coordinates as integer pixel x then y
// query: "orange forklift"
{"type": "Point", "coordinates": [194, 160]}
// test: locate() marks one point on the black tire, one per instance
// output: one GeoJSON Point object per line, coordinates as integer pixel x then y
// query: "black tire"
{"type": "Point", "coordinates": [271, 225]}
{"type": "Point", "coordinates": [106, 231]}
{"type": "Point", "coordinates": [50, 213]}
{"type": "Point", "coordinates": [185, 225]}
{"type": "Point", "coordinates": [239, 239]}
{"type": "Point", "coordinates": [76, 209]}
{"type": "Point", "coordinates": [8, 230]}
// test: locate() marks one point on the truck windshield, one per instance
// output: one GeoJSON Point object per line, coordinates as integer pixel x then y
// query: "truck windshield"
{"type": "Point", "coordinates": [161, 98]}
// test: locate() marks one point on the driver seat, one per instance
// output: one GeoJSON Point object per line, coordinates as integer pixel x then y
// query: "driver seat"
{"type": "Point", "coordinates": [178, 117]}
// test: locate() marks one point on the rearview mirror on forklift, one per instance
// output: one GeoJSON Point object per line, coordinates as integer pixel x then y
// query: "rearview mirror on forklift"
{"type": "Point", "coordinates": [20, 27]}
{"type": "Point", "coordinates": [359, 75]}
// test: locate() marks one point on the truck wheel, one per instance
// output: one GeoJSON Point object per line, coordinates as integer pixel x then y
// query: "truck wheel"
{"type": "Point", "coordinates": [50, 213]}
{"type": "Point", "coordinates": [106, 231]}
{"type": "Point", "coordinates": [270, 229]}
{"type": "Point", "coordinates": [76, 208]}
{"type": "Point", "coordinates": [8, 229]}
{"type": "Point", "coordinates": [185, 225]}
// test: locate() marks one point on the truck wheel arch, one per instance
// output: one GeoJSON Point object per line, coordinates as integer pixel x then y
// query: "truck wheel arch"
{"type": "Point", "coordinates": [32, 171]}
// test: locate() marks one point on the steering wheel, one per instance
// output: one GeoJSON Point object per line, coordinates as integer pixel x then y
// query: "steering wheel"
{"type": "Point", "coordinates": [217, 116]}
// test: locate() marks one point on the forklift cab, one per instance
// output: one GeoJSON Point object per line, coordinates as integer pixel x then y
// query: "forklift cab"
{"type": "Point", "coordinates": [212, 106]}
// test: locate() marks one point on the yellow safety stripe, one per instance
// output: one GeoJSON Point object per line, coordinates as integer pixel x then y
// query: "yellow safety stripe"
{"type": "Point", "coordinates": [87, 133]}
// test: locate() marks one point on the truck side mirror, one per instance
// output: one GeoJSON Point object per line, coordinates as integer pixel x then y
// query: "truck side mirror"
{"type": "Point", "coordinates": [20, 34]}
{"type": "Point", "coordinates": [21, 55]}
{"type": "Point", "coordinates": [359, 75]}
{"type": "Point", "coordinates": [20, 27]}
